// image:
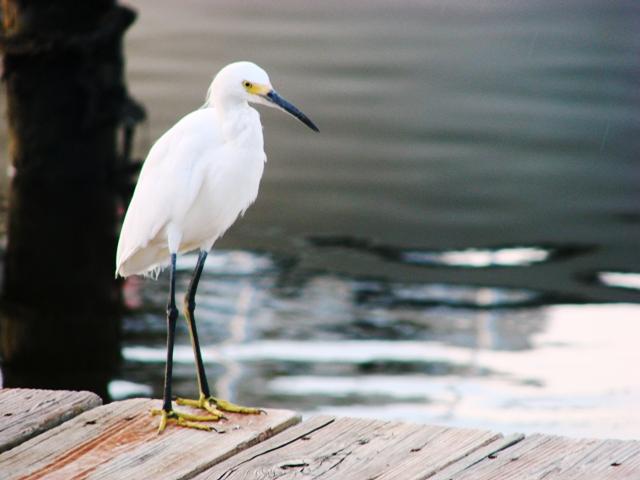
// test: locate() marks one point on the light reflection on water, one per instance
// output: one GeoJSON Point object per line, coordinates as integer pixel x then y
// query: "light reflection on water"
{"type": "Point", "coordinates": [323, 346]}
{"type": "Point", "coordinates": [476, 258]}
{"type": "Point", "coordinates": [620, 279]}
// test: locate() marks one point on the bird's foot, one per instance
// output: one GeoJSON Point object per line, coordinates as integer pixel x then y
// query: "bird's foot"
{"type": "Point", "coordinates": [183, 419]}
{"type": "Point", "coordinates": [215, 406]}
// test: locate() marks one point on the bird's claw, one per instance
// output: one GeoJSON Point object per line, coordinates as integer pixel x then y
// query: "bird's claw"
{"type": "Point", "coordinates": [183, 419]}
{"type": "Point", "coordinates": [216, 406]}
{"type": "Point", "coordinates": [203, 404]}
{"type": "Point", "coordinates": [226, 406]}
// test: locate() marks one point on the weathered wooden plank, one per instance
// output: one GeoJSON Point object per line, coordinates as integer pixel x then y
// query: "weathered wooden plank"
{"type": "Point", "coordinates": [550, 457]}
{"type": "Point", "coordinates": [25, 413]}
{"type": "Point", "coordinates": [354, 449]}
{"type": "Point", "coordinates": [120, 440]}
{"type": "Point", "coordinates": [473, 457]}
{"type": "Point", "coordinates": [488, 451]}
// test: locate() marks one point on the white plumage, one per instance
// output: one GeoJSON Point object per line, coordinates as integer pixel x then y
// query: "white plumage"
{"type": "Point", "coordinates": [201, 174]}
{"type": "Point", "coordinates": [198, 177]}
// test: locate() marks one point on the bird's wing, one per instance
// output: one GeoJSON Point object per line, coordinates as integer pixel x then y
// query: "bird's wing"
{"type": "Point", "coordinates": [168, 184]}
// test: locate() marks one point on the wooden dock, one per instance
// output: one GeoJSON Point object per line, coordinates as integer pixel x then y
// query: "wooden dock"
{"type": "Point", "coordinates": [68, 435]}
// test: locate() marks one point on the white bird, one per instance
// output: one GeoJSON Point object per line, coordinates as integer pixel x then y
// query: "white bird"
{"type": "Point", "coordinates": [198, 178]}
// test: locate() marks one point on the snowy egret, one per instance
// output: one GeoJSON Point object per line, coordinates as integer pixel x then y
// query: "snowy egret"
{"type": "Point", "coordinates": [197, 179]}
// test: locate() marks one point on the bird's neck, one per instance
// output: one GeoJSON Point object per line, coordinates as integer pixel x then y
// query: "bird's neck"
{"type": "Point", "coordinates": [240, 123]}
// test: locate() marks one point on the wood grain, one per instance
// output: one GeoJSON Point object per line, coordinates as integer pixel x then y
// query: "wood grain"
{"type": "Point", "coordinates": [26, 413]}
{"type": "Point", "coordinates": [488, 451]}
{"type": "Point", "coordinates": [120, 440]}
{"type": "Point", "coordinates": [329, 448]}
{"type": "Point", "coordinates": [549, 457]}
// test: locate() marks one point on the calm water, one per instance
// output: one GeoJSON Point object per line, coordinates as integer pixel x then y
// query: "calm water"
{"type": "Point", "coordinates": [460, 243]}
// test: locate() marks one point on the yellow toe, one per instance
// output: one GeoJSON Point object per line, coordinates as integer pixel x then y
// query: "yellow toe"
{"type": "Point", "coordinates": [215, 406]}
{"type": "Point", "coordinates": [183, 419]}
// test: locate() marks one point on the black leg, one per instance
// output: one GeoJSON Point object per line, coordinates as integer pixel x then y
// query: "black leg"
{"type": "Point", "coordinates": [189, 308]}
{"type": "Point", "coordinates": [172, 316]}
{"type": "Point", "coordinates": [213, 405]}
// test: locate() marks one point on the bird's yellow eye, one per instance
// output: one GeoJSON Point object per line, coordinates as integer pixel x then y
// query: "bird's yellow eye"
{"type": "Point", "coordinates": [246, 84]}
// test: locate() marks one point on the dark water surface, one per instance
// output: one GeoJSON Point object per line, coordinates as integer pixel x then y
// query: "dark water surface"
{"type": "Point", "coordinates": [460, 243]}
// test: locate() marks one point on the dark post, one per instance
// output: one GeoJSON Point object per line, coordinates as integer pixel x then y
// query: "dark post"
{"type": "Point", "coordinates": [66, 97]}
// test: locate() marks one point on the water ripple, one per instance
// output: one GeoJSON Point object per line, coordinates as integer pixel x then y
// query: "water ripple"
{"type": "Point", "coordinates": [489, 257]}
{"type": "Point", "coordinates": [629, 280]}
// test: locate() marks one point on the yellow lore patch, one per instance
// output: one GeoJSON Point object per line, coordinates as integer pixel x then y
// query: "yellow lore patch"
{"type": "Point", "coordinates": [256, 88]}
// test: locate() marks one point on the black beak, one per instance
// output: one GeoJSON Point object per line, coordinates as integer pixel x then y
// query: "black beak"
{"type": "Point", "coordinates": [273, 97]}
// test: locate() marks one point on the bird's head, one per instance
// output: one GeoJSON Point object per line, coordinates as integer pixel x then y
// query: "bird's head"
{"type": "Point", "coordinates": [247, 82]}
